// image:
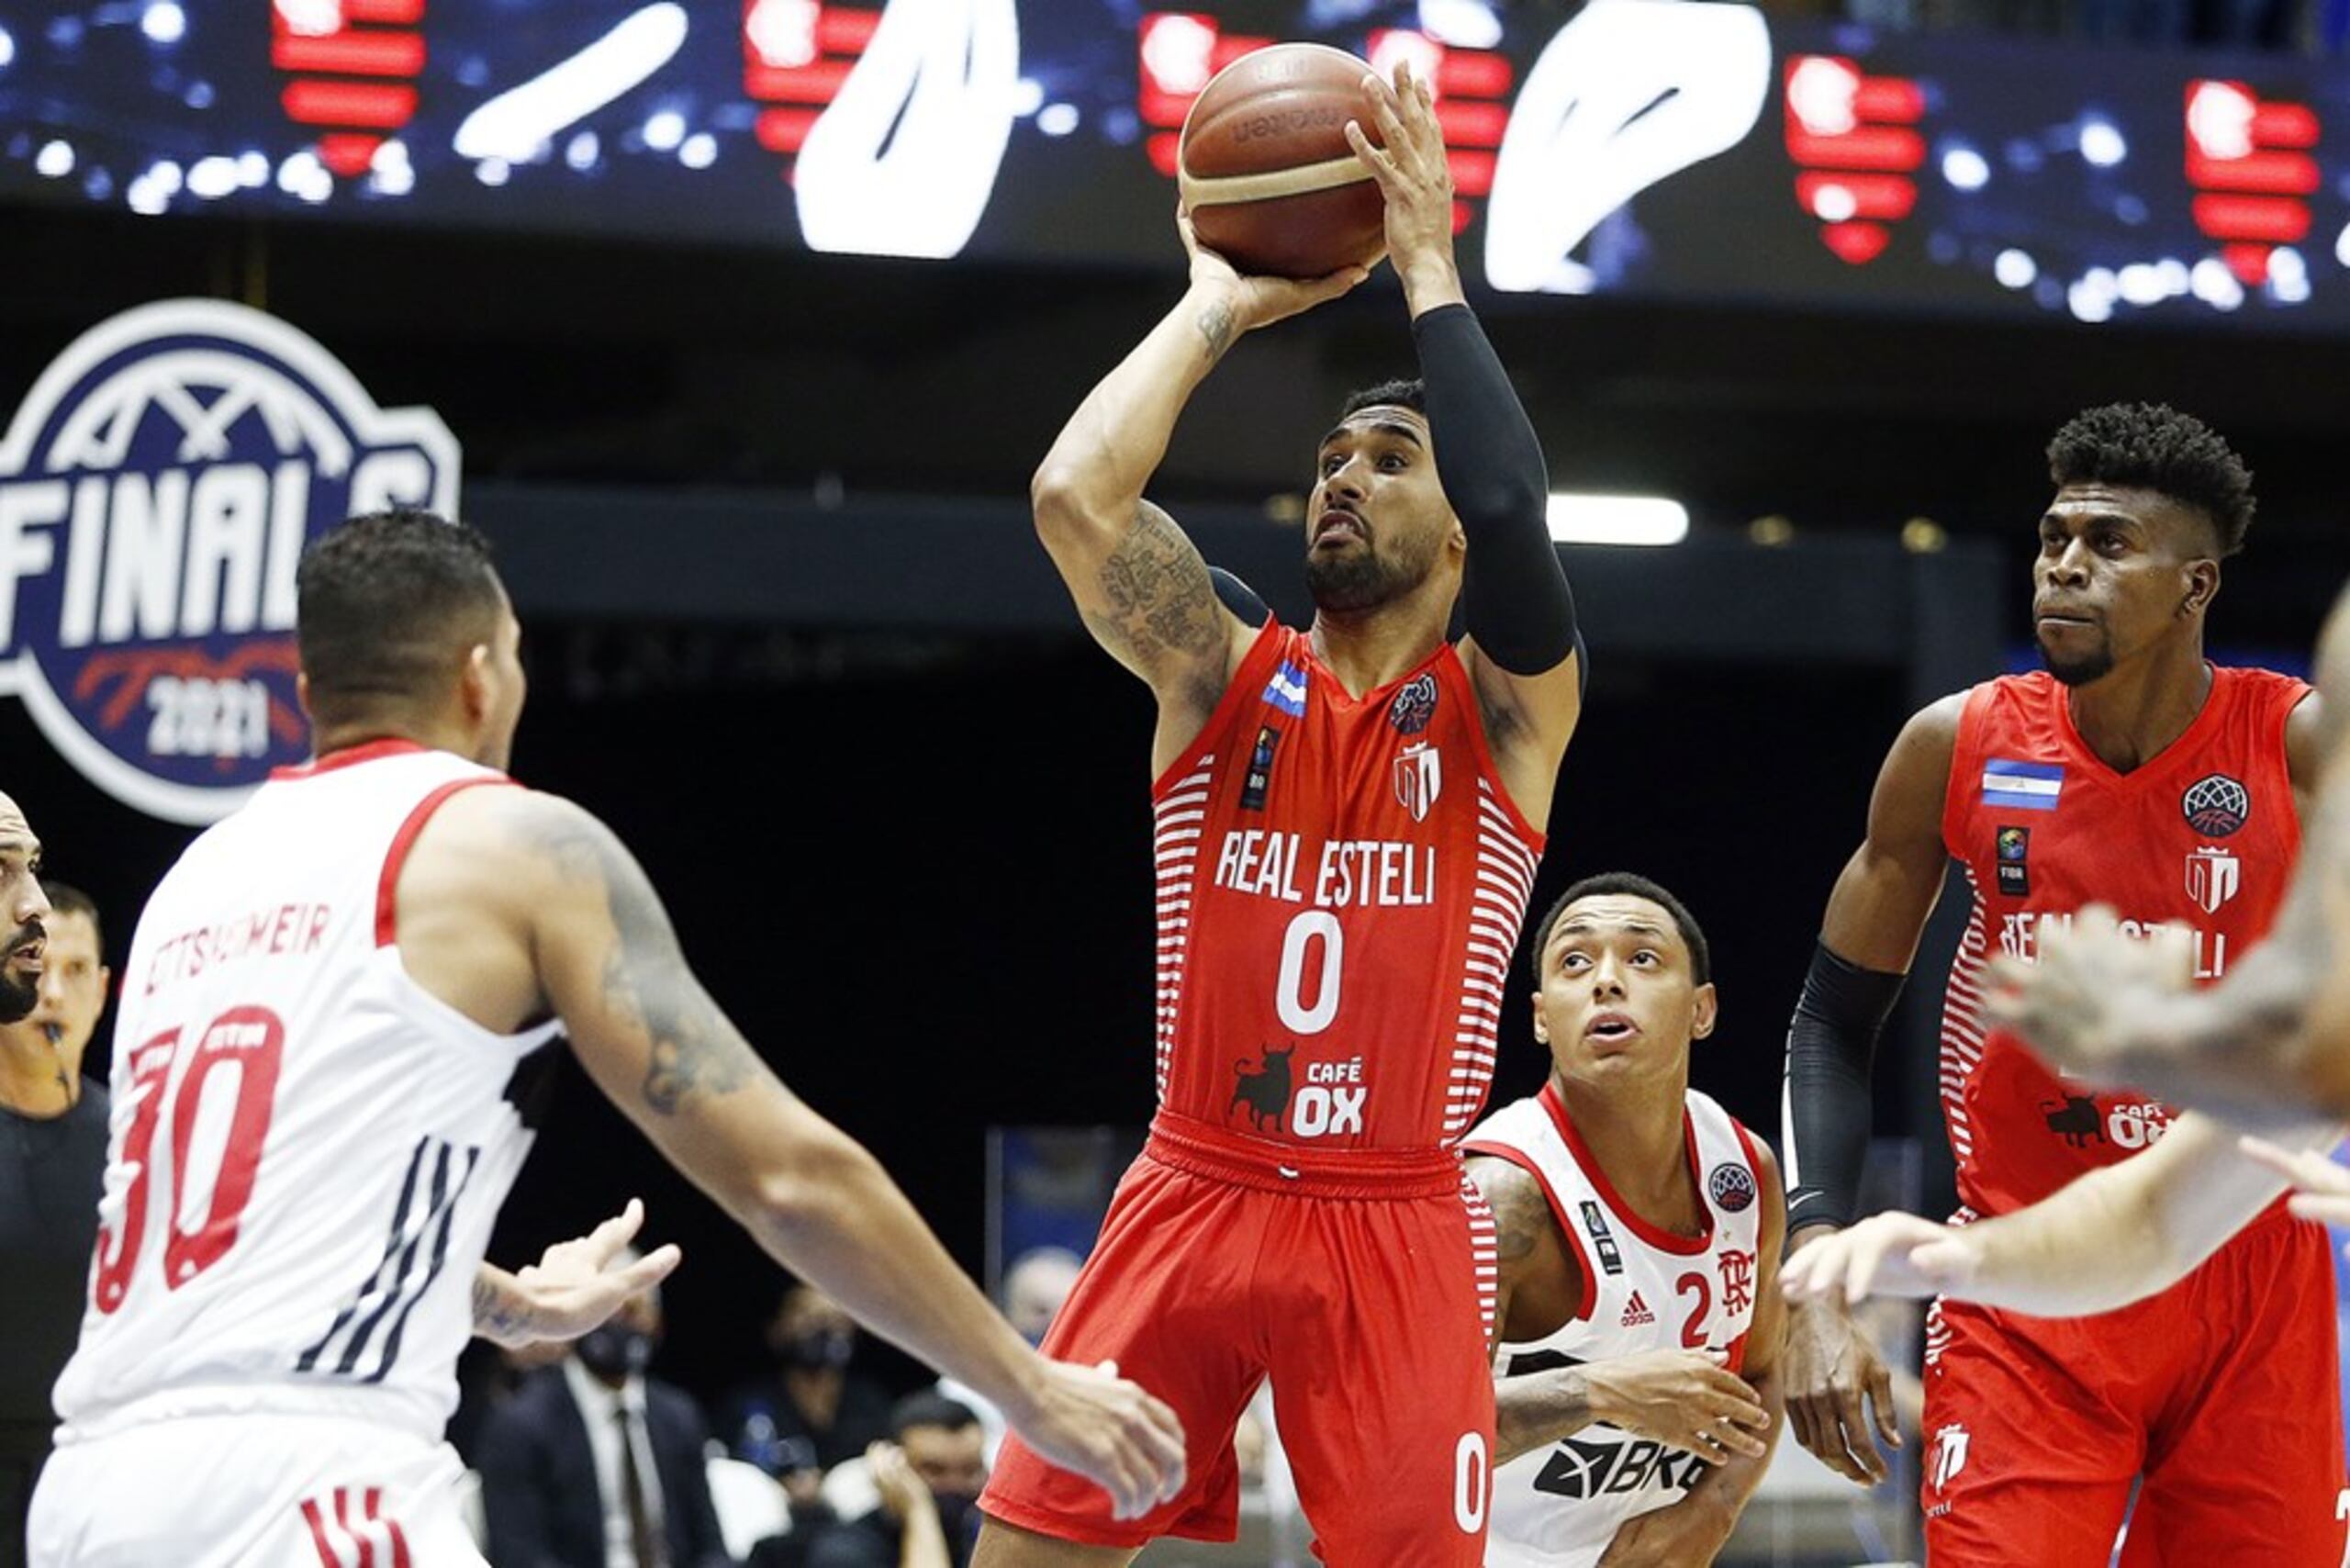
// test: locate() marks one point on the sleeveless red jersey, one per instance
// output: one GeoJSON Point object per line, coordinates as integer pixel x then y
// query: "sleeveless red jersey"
{"type": "Point", "coordinates": [1340, 885]}
{"type": "Point", "coordinates": [2205, 834]}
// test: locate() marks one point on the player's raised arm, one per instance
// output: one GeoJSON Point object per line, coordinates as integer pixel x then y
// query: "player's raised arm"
{"type": "Point", "coordinates": [1522, 649]}
{"type": "Point", "coordinates": [2270, 1043]}
{"type": "Point", "coordinates": [608, 963]}
{"type": "Point", "coordinates": [2115, 1236]}
{"type": "Point", "coordinates": [1140, 584]}
{"type": "Point", "coordinates": [1876, 916]}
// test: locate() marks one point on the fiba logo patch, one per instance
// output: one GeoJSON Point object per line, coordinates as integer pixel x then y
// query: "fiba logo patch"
{"type": "Point", "coordinates": [1414, 706]}
{"type": "Point", "coordinates": [1732, 1187]}
{"type": "Point", "coordinates": [2216, 806]}
{"type": "Point", "coordinates": [157, 487]}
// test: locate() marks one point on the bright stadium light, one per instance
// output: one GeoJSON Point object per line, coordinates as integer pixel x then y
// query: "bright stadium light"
{"type": "Point", "coordinates": [1617, 520]}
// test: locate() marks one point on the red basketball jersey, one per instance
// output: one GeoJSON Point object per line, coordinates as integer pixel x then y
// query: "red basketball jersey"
{"type": "Point", "coordinates": [1340, 886]}
{"type": "Point", "coordinates": [2204, 834]}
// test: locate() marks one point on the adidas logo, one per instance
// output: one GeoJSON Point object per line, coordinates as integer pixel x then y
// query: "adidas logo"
{"type": "Point", "coordinates": [1637, 1313]}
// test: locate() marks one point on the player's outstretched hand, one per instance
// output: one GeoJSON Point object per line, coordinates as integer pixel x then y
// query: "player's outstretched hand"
{"type": "Point", "coordinates": [1834, 1379]}
{"type": "Point", "coordinates": [1260, 301]}
{"type": "Point", "coordinates": [2095, 999]}
{"type": "Point", "coordinates": [1685, 1398]}
{"type": "Point", "coordinates": [1411, 168]}
{"type": "Point", "coordinates": [1091, 1421]}
{"type": "Point", "coordinates": [2324, 1186]}
{"type": "Point", "coordinates": [1886, 1255]}
{"type": "Point", "coordinates": [572, 1287]}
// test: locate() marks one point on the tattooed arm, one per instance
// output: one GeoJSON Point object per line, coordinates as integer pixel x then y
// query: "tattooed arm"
{"type": "Point", "coordinates": [1674, 1396]}
{"type": "Point", "coordinates": [2268, 1046]}
{"type": "Point", "coordinates": [515, 904]}
{"type": "Point", "coordinates": [1139, 583]}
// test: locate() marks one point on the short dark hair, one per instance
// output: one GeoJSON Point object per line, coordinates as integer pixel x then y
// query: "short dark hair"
{"type": "Point", "coordinates": [928, 1408]}
{"type": "Point", "coordinates": [1626, 884]}
{"type": "Point", "coordinates": [388, 602]}
{"type": "Point", "coordinates": [1410, 393]}
{"type": "Point", "coordinates": [2153, 447]}
{"type": "Point", "coordinates": [65, 899]}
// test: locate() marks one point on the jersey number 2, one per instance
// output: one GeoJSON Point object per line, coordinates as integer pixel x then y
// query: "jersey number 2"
{"type": "Point", "coordinates": [1693, 1331]}
{"type": "Point", "coordinates": [249, 1040]}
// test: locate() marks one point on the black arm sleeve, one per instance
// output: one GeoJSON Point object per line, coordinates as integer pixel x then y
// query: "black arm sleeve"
{"type": "Point", "coordinates": [1831, 1046]}
{"type": "Point", "coordinates": [1238, 597]}
{"type": "Point", "coordinates": [1518, 605]}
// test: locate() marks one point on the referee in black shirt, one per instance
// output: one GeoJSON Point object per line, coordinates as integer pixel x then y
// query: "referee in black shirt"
{"type": "Point", "coordinates": [52, 1152]}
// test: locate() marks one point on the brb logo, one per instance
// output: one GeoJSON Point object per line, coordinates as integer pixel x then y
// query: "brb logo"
{"type": "Point", "coordinates": [157, 488]}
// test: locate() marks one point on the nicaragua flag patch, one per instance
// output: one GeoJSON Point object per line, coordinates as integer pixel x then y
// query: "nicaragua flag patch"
{"type": "Point", "coordinates": [1286, 690]}
{"type": "Point", "coordinates": [2022, 786]}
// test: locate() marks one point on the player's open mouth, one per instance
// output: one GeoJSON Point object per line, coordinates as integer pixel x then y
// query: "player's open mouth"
{"type": "Point", "coordinates": [1611, 1026]}
{"type": "Point", "coordinates": [1337, 523]}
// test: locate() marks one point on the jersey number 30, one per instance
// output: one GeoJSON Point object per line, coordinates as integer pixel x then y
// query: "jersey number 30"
{"type": "Point", "coordinates": [249, 1042]}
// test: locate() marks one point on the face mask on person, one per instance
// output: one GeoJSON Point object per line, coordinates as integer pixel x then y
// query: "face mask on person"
{"type": "Point", "coordinates": [615, 1350]}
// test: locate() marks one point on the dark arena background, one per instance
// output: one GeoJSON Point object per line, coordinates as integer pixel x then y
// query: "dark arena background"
{"type": "Point", "coordinates": [754, 438]}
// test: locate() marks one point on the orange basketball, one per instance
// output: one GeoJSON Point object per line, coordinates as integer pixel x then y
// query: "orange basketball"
{"type": "Point", "coordinates": [1266, 172]}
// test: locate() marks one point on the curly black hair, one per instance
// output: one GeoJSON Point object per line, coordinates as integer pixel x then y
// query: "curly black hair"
{"type": "Point", "coordinates": [1627, 884]}
{"type": "Point", "coordinates": [387, 604]}
{"type": "Point", "coordinates": [1411, 394]}
{"type": "Point", "coordinates": [2153, 447]}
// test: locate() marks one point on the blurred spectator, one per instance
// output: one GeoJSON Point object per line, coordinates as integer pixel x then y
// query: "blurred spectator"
{"type": "Point", "coordinates": [1034, 1288]}
{"type": "Point", "coordinates": [814, 1410]}
{"type": "Point", "coordinates": [591, 1465]}
{"type": "Point", "coordinates": [52, 1154]}
{"type": "Point", "coordinates": [927, 1480]}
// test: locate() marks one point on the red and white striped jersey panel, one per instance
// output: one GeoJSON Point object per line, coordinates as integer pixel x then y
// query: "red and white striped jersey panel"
{"type": "Point", "coordinates": [1180, 815]}
{"type": "Point", "coordinates": [1962, 1027]}
{"type": "Point", "coordinates": [1505, 869]}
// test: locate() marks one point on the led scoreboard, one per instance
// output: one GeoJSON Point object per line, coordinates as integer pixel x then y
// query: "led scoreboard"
{"type": "Point", "coordinates": [1667, 149]}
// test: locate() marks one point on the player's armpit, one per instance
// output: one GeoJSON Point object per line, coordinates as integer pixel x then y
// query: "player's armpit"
{"type": "Point", "coordinates": [1528, 719]}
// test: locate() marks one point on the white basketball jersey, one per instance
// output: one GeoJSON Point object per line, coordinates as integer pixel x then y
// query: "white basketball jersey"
{"type": "Point", "coordinates": [307, 1149]}
{"type": "Point", "coordinates": [1644, 1290]}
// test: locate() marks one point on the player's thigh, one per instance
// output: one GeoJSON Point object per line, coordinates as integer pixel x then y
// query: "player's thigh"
{"type": "Point", "coordinates": [260, 1491]}
{"type": "Point", "coordinates": [2022, 1463]}
{"type": "Point", "coordinates": [1168, 1294]}
{"type": "Point", "coordinates": [1382, 1387]}
{"type": "Point", "coordinates": [2246, 1465]}
{"type": "Point", "coordinates": [1009, 1546]}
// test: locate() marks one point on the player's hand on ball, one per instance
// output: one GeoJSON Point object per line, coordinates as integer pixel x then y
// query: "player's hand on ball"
{"type": "Point", "coordinates": [1411, 169]}
{"type": "Point", "coordinates": [1257, 302]}
{"type": "Point", "coordinates": [1887, 1255]}
{"type": "Point", "coordinates": [1833, 1379]}
{"type": "Point", "coordinates": [1685, 1398]}
{"type": "Point", "coordinates": [2096, 997]}
{"type": "Point", "coordinates": [2322, 1187]}
{"type": "Point", "coordinates": [1091, 1421]}
{"type": "Point", "coordinates": [576, 1284]}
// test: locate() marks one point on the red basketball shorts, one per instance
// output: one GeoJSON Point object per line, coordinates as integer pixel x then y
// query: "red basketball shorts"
{"type": "Point", "coordinates": [1360, 1284]}
{"type": "Point", "coordinates": [2223, 1392]}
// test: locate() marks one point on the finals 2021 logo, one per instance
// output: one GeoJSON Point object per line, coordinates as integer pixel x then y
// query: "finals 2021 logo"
{"type": "Point", "coordinates": [158, 486]}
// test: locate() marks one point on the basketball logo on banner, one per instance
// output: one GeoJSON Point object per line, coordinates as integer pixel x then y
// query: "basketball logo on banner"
{"type": "Point", "coordinates": [157, 487]}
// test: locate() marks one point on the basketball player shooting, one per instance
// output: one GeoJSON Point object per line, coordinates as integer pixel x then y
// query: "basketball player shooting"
{"type": "Point", "coordinates": [333, 1011]}
{"type": "Point", "coordinates": [1347, 837]}
{"type": "Point", "coordinates": [2133, 771]}
{"type": "Point", "coordinates": [1640, 1227]}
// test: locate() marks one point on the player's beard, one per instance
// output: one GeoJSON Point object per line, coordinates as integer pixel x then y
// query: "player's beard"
{"type": "Point", "coordinates": [1351, 583]}
{"type": "Point", "coordinates": [2080, 669]}
{"type": "Point", "coordinates": [17, 997]}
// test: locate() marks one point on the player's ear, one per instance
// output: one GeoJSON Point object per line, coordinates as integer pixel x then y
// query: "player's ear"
{"type": "Point", "coordinates": [1541, 1028]}
{"type": "Point", "coordinates": [2202, 586]}
{"type": "Point", "coordinates": [473, 681]}
{"type": "Point", "coordinates": [1701, 1021]}
{"type": "Point", "coordinates": [302, 696]}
